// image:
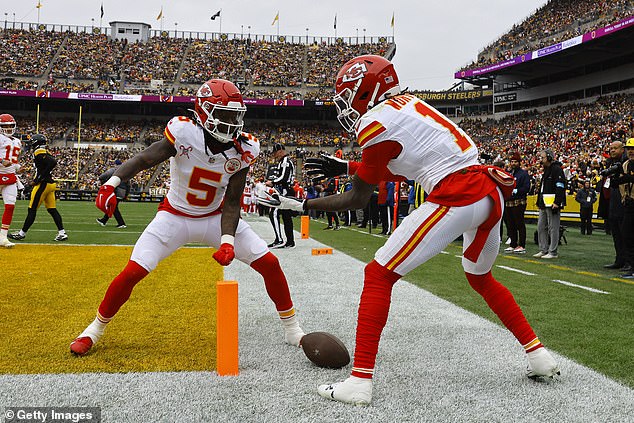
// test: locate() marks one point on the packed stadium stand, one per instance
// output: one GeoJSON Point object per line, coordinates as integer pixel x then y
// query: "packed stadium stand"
{"type": "Point", "coordinates": [563, 78]}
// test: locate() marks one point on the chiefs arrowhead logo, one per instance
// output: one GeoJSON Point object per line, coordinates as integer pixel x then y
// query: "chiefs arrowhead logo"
{"type": "Point", "coordinates": [5, 178]}
{"type": "Point", "coordinates": [356, 71]}
{"type": "Point", "coordinates": [204, 91]}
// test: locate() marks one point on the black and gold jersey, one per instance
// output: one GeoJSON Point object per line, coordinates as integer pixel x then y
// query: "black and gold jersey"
{"type": "Point", "coordinates": [44, 165]}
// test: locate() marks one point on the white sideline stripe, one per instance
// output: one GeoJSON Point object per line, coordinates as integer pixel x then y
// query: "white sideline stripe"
{"type": "Point", "coordinates": [66, 244]}
{"type": "Point", "coordinates": [587, 288]}
{"type": "Point", "coordinates": [523, 272]}
{"type": "Point", "coordinates": [75, 231]}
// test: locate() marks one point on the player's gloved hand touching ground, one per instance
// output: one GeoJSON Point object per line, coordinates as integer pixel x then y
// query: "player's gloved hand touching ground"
{"type": "Point", "coordinates": [225, 254]}
{"type": "Point", "coordinates": [325, 166]}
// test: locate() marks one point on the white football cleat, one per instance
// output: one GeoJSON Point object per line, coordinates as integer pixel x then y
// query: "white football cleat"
{"type": "Point", "coordinates": [354, 390]}
{"type": "Point", "coordinates": [4, 242]}
{"type": "Point", "coordinates": [541, 364]}
{"type": "Point", "coordinates": [293, 335]}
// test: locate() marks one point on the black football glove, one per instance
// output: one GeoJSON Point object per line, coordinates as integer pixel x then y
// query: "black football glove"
{"type": "Point", "coordinates": [324, 167]}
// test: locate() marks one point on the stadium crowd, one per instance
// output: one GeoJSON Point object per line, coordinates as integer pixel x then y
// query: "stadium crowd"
{"type": "Point", "coordinates": [556, 21]}
{"type": "Point", "coordinates": [88, 62]}
{"type": "Point", "coordinates": [578, 134]}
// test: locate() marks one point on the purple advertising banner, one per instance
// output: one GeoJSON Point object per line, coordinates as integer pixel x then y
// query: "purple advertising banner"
{"type": "Point", "coordinates": [143, 98]}
{"type": "Point", "coordinates": [589, 36]}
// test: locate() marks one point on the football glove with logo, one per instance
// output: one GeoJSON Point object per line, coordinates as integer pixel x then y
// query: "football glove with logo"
{"type": "Point", "coordinates": [106, 200]}
{"type": "Point", "coordinates": [325, 166]}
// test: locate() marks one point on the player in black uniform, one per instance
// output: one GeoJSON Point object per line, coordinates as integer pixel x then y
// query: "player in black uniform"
{"type": "Point", "coordinates": [43, 190]}
{"type": "Point", "coordinates": [282, 180]}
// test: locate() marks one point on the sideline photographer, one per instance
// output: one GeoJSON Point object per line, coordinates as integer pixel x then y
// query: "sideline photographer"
{"type": "Point", "coordinates": [626, 188]}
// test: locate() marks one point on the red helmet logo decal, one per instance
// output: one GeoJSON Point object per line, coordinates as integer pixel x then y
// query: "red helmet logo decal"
{"type": "Point", "coordinates": [356, 71]}
{"type": "Point", "coordinates": [204, 91]}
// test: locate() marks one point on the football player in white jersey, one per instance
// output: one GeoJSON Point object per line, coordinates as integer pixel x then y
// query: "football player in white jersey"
{"type": "Point", "coordinates": [9, 151]}
{"type": "Point", "coordinates": [402, 137]}
{"type": "Point", "coordinates": [209, 160]}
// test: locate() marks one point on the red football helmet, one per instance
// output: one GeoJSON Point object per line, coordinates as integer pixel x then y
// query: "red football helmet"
{"type": "Point", "coordinates": [219, 109]}
{"type": "Point", "coordinates": [7, 124]}
{"type": "Point", "coordinates": [361, 83]}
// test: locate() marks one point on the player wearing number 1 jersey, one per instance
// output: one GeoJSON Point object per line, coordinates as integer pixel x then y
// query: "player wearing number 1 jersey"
{"type": "Point", "coordinates": [404, 138]}
{"type": "Point", "coordinates": [209, 160]}
{"type": "Point", "coordinates": [9, 151]}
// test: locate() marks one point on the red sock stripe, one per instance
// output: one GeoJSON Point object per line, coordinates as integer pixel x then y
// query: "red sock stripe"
{"type": "Point", "coordinates": [362, 373]}
{"type": "Point", "coordinates": [417, 237]}
{"type": "Point", "coordinates": [536, 347]}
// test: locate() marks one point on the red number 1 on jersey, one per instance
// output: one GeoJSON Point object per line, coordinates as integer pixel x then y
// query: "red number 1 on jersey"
{"type": "Point", "coordinates": [196, 182]}
{"type": "Point", "coordinates": [462, 141]}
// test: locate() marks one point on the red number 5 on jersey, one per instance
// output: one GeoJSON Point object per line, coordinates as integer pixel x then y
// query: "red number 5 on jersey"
{"type": "Point", "coordinates": [196, 181]}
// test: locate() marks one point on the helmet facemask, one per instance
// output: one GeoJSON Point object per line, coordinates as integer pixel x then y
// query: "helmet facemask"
{"type": "Point", "coordinates": [7, 125]}
{"type": "Point", "coordinates": [347, 116]}
{"type": "Point", "coordinates": [222, 122]}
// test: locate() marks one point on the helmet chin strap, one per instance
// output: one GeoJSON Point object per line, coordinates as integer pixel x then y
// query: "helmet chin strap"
{"type": "Point", "coordinates": [376, 91]}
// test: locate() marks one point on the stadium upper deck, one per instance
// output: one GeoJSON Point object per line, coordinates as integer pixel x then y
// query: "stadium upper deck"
{"type": "Point", "coordinates": [556, 21]}
{"type": "Point", "coordinates": [86, 59]}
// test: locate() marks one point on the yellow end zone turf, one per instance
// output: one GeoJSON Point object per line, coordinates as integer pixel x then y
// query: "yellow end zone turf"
{"type": "Point", "coordinates": [49, 294]}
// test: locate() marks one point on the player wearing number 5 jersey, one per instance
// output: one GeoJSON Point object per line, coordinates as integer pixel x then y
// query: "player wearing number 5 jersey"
{"type": "Point", "coordinates": [209, 160]}
{"type": "Point", "coordinates": [404, 138]}
{"type": "Point", "coordinates": [9, 151]}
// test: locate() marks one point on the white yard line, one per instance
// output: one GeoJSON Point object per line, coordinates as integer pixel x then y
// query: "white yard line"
{"type": "Point", "coordinates": [587, 288]}
{"type": "Point", "coordinates": [523, 272]}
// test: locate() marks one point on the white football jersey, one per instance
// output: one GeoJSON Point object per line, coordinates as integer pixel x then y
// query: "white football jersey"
{"type": "Point", "coordinates": [433, 146]}
{"type": "Point", "coordinates": [198, 180]}
{"type": "Point", "coordinates": [10, 148]}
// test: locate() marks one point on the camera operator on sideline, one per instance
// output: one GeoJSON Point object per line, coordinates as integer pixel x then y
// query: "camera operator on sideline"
{"type": "Point", "coordinates": [615, 208]}
{"type": "Point", "coordinates": [626, 187]}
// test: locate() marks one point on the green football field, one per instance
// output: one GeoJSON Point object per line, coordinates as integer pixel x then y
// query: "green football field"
{"type": "Point", "coordinates": [576, 307]}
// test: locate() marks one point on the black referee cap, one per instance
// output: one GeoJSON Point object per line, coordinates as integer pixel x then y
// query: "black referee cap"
{"type": "Point", "coordinates": [277, 147]}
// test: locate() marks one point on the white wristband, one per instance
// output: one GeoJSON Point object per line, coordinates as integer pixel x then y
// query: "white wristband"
{"type": "Point", "coordinates": [227, 239]}
{"type": "Point", "coordinates": [114, 181]}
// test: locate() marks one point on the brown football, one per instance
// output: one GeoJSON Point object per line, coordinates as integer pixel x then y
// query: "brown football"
{"type": "Point", "coordinates": [325, 350]}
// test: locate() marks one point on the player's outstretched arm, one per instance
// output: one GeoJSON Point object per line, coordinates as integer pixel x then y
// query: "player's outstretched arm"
{"type": "Point", "coordinates": [156, 153]}
{"type": "Point", "coordinates": [356, 198]}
